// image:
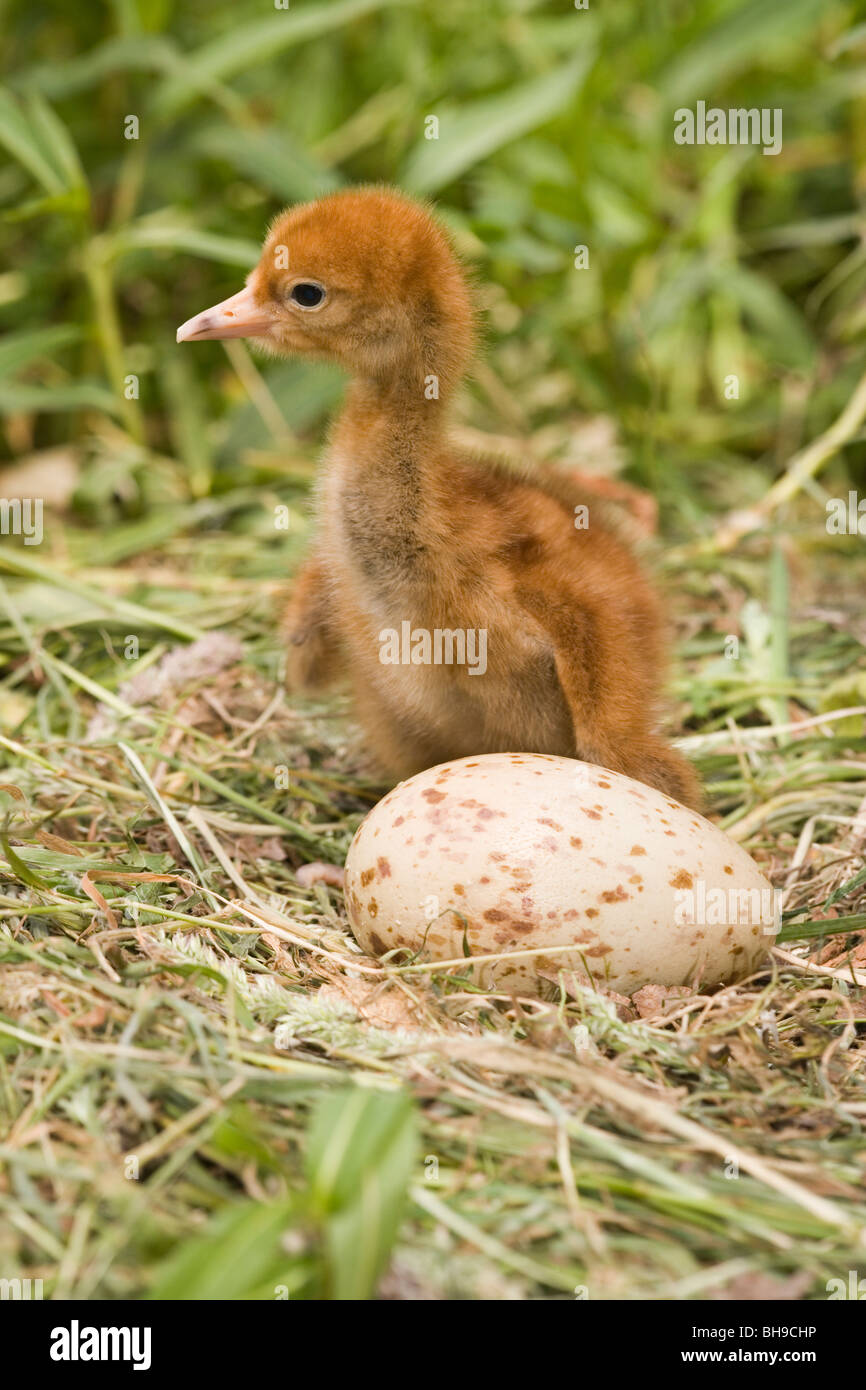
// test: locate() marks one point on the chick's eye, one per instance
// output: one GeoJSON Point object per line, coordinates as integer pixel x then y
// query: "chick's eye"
{"type": "Point", "coordinates": [309, 296]}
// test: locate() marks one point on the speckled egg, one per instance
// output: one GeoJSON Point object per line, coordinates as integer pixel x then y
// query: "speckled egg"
{"type": "Point", "coordinates": [598, 877]}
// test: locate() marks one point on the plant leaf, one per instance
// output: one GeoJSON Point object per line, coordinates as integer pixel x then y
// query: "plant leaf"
{"type": "Point", "coordinates": [730, 45]}
{"type": "Point", "coordinates": [124, 53]}
{"type": "Point", "coordinates": [165, 234]}
{"type": "Point", "coordinates": [19, 349]}
{"type": "Point", "coordinates": [273, 159]}
{"type": "Point", "coordinates": [245, 45]}
{"type": "Point", "coordinates": [18, 137]}
{"type": "Point", "coordinates": [471, 133]}
{"type": "Point", "coordinates": [236, 1257]}
{"type": "Point", "coordinates": [360, 1154]}
{"type": "Point", "coordinates": [79, 395]}
{"type": "Point", "coordinates": [57, 140]}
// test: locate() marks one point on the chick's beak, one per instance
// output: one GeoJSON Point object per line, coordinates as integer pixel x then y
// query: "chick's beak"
{"type": "Point", "coordinates": [237, 317]}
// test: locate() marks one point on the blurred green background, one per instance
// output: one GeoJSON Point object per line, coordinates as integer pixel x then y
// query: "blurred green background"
{"type": "Point", "coordinates": [556, 130]}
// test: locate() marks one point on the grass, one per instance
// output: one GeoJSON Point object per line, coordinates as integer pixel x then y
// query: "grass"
{"type": "Point", "coordinates": [172, 997]}
{"type": "Point", "coordinates": [205, 1088]}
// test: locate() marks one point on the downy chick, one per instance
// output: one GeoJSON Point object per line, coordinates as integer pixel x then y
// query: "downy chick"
{"type": "Point", "coordinates": [565, 631]}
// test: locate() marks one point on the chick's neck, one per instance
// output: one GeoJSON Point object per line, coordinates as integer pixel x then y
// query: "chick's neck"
{"type": "Point", "coordinates": [384, 458]}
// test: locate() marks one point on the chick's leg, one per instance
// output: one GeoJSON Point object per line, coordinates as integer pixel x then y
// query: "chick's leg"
{"type": "Point", "coordinates": [622, 741]}
{"type": "Point", "coordinates": [313, 659]}
{"type": "Point", "coordinates": [653, 761]}
{"type": "Point", "coordinates": [609, 682]}
{"type": "Point", "coordinates": [616, 734]}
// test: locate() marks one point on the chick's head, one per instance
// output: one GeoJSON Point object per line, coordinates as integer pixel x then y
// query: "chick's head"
{"type": "Point", "coordinates": [365, 278]}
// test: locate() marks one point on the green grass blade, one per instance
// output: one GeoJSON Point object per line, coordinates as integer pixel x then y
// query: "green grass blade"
{"type": "Point", "coordinates": [473, 132]}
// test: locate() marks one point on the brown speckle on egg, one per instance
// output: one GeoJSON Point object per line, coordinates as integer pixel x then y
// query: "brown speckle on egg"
{"type": "Point", "coordinates": [682, 879]}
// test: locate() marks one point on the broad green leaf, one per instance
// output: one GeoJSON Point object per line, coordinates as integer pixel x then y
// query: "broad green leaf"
{"type": "Point", "coordinates": [46, 606]}
{"type": "Point", "coordinates": [79, 395]}
{"type": "Point", "coordinates": [685, 283]}
{"type": "Point", "coordinates": [846, 692]}
{"type": "Point", "coordinates": [19, 138]}
{"type": "Point", "coordinates": [470, 133]}
{"type": "Point", "coordinates": [245, 45]}
{"type": "Point", "coordinates": [55, 861]}
{"type": "Point", "coordinates": [616, 219]}
{"type": "Point", "coordinates": [817, 231]}
{"type": "Point", "coordinates": [239, 1135]}
{"type": "Point", "coordinates": [360, 1154]}
{"type": "Point", "coordinates": [764, 303]}
{"type": "Point", "coordinates": [128, 53]}
{"type": "Point", "coordinates": [18, 866]}
{"type": "Point", "coordinates": [529, 252]}
{"type": "Point", "coordinates": [164, 234]}
{"type": "Point", "coordinates": [70, 201]}
{"type": "Point", "coordinates": [304, 391]}
{"type": "Point", "coordinates": [55, 138]}
{"type": "Point", "coordinates": [39, 140]}
{"type": "Point", "coordinates": [852, 39]}
{"type": "Point", "coordinates": [756, 626]}
{"type": "Point", "coordinates": [19, 349]}
{"type": "Point", "coordinates": [748, 32]}
{"type": "Point", "coordinates": [238, 1255]}
{"type": "Point", "coordinates": [273, 159]}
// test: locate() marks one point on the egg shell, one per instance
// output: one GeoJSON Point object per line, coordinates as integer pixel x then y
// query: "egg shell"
{"type": "Point", "coordinates": [513, 851]}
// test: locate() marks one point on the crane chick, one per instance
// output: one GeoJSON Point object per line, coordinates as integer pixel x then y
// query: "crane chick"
{"type": "Point", "coordinates": [465, 608]}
